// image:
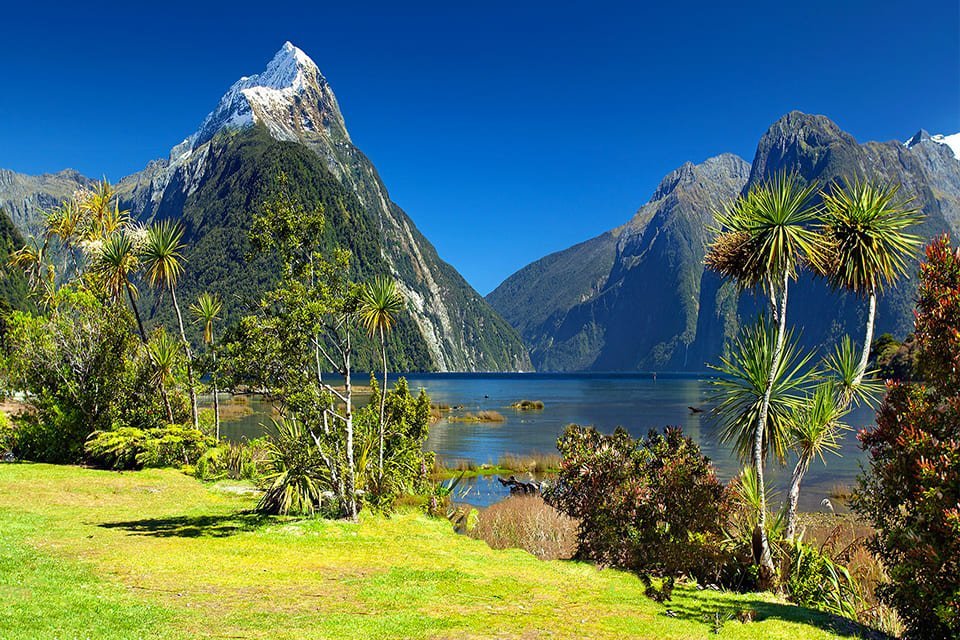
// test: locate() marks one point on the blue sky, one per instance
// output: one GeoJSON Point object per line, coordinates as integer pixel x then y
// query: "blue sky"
{"type": "Point", "coordinates": [507, 130]}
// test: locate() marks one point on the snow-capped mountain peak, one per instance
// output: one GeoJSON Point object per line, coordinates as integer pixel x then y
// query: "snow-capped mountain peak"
{"type": "Point", "coordinates": [951, 141]}
{"type": "Point", "coordinates": [291, 97]}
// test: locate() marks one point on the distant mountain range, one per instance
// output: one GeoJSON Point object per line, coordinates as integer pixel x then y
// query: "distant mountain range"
{"type": "Point", "coordinates": [638, 297]}
{"type": "Point", "coordinates": [287, 118]}
{"type": "Point", "coordinates": [634, 298]}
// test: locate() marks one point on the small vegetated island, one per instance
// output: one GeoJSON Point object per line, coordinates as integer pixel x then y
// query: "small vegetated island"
{"type": "Point", "coordinates": [527, 405]}
{"type": "Point", "coordinates": [479, 416]}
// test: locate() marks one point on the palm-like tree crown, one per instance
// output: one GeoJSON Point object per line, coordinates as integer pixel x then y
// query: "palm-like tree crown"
{"type": "Point", "coordinates": [65, 222]}
{"type": "Point", "coordinates": [31, 257]}
{"type": "Point", "coordinates": [864, 225]}
{"type": "Point", "coordinates": [766, 232]}
{"type": "Point", "coordinates": [116, 263]}
{"type": "Point", "coordinates": [842, 365]}
{"type": "Point", "coordinates": [380, 304]}
{"type": "Point", "coordinates": [164, 352]}
{"type": "Point", "coordinates": [743, 382]}
{"type": "Point", "coordinates": [161, 255]}
{"type": "Point", "coordinates": [206, 309]}
{"type": "Point", "coordinates": [101, 207]}
{"type": "Point", "coordinates": [816, 424]}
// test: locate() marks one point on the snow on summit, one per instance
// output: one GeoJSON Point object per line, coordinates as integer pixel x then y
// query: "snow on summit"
{"type": "Point", "coordinates": [291, 97]}
{"type": "Point", "coordinates": [951, 141]}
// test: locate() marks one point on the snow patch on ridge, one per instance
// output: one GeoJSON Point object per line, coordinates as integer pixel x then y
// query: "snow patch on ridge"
{"type": "Point", "coordinates": [951, 141]}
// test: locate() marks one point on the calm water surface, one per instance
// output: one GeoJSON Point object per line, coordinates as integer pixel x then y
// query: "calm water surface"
{"type": "Point", "coordinates": [636, 402]}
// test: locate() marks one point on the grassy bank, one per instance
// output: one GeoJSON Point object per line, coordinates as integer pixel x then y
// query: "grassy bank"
{"type": "Point", "coordinates": [96, 554]}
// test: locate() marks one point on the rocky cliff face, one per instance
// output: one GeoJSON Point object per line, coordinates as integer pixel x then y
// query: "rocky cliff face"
{"type": "Point", "coordinates": [636, 305]}
{"type": "Point", "coordinates": [293, 103]}
{"type": "Point", "coordinates": [657, 308]}
{"type": "Point", "coordinates": [25, 197]}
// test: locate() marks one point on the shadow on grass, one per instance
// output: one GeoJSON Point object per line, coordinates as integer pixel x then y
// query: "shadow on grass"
{"type": "Point", "coordinates": [716, 615]}
{"type": "Point", "coordinates": [193, 526]}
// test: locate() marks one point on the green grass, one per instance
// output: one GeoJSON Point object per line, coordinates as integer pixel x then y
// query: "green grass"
{"type": "Point", "coordinates": [96, 554]}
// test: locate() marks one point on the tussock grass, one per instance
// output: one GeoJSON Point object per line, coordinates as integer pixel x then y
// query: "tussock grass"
{"type": "Point", "coordinates": [537, 463]}
{"type": "Point", "coordinates": [529, 523]}
{"type": "Point", "coordinates": [527, 405]}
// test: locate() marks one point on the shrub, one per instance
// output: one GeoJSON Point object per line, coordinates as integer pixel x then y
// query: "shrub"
{"type": "Point", "coordinates": [529, 523]}
{"type": "Point", "coordinates": [233, 460]}
{"type": "Point", "coordinates": [117, 449]}
{"type": "Point", "coordinates": [654, 506]}
{"type": "Point", "coordinates": [911, 490]}
{"type": "Point", "coordinates": [174, 445]}
{"type": "Point", "coordinates": [132, 448]}
{"type": "Point", "coordinates": [296, 477]}
{"type": "Point", "coordinates": [84, 370]}
{"type": "Point", "coordinates": [816, 581]}
{"type": "Point", "coordinates": [406, 466]}
{"type": "Point", "coordinates": [8, 434]}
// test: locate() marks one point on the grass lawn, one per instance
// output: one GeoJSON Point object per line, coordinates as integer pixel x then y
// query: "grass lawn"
{"type": "Point", "coordinates": [97, 554]}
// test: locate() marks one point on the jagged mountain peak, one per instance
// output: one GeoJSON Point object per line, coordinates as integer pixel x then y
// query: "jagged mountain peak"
{"type": "Point", "coordinates": [291, 97]}
{"type": "Point", "coordinates": [799, 142]}
{"type": "Point", "coordinates": [951, 141]}
{"type": "Point", "coordinates": [709, 169]}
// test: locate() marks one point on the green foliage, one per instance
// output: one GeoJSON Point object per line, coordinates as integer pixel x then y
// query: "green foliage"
{"type": "Point", "coordinates": [765, 234]}
{"type": "Point", "coordinates": [8, 434]}
{"type": "Point", "coordinates": [131, 448]}
{"type": "Point", "coordinates": [740, 529]}
{"type": "Point", "coordinates": [653, 506]}
{"type": "Point", "coordinates": [380, 304]}
{"type": "Point", "coordinates": [117, 449]}
{"type": "Point", "coordinates": [84, 370]}
{"type": "Point", "coordinates": [745, 373]}
{"type": "Point", "coordinates": [14, 290]}
{"type": "Point", "coordinates": [406, 465]}
{"type": "Point", "coordinates": [234, 460]}
{"type": "Point", "coordinates": [815, 425]}
{"type": "Point", "coordinates": [816, 581]}
{"type": "Point", "coordinates": [174, 445]}
{"type": "Point", "coordinates": [911, 490]}
{"type": "Point", "coordinates": [296, 478]}
{"type": "Point", "coordinates": [864, 226]}
{"type": "Point", "coordinates": [842, 366]}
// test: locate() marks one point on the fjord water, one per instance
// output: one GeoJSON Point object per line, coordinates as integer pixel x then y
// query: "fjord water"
{"type": "Point", "coordinates": [637, 402]}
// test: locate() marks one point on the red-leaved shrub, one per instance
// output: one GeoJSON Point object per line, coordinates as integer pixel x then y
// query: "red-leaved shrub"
{"type": "Point", "coordinates": [654, 506]}
{"type": "Point", "coordinates": [911, 491]}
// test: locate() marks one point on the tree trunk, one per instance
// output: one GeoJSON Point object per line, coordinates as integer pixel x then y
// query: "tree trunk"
{"type": "Point", "coordinates": [186, 349]}
{"type": "Point", "coordinates": [213, 381]}
{"type": "Point", "coordinates": [867, 339]}
{"type": "Point", "coordinates": [765, 559]}
{"type": "Point", "coordinates": [166, 403]}
{"type": "Point", "coordinates": [351, 476]}
{"type": "Point", "coordinates": [798, 472]}
{"type": "Point", "coordinates": [383, 399]}
{"type": "Point", "coordinates": [136, 313]}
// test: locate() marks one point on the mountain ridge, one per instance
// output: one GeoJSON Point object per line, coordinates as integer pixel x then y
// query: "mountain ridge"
{"type": "Point", "coordinates": [611, 329]}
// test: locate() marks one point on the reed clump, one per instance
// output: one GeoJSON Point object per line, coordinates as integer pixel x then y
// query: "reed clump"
{"type": "Point", "coordinates": [537, 463]}
{"type": "Point", "coordinates": [529, 523]}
